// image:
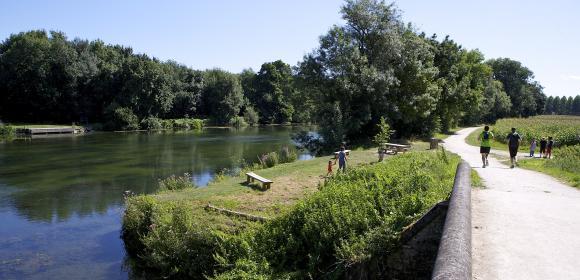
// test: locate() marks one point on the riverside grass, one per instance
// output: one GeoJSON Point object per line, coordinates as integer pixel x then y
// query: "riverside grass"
{"type": "Point", "coordinates": [353, 218]}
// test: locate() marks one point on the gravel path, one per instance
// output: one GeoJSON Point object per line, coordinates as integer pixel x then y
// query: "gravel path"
{"type": "Point", "coordinates": [526, 224]}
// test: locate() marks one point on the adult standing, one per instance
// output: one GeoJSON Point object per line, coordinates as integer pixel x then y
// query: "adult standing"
{"type": "Point", "coordinates": [514, 140]}
{"type": "Point", "coordinates": [485, 147]}
{"type": "Point", "coordinates": [342, 159]}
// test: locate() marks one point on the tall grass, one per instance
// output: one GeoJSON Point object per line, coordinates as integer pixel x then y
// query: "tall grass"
{"type": "Point", "coordinates": [566, 158]}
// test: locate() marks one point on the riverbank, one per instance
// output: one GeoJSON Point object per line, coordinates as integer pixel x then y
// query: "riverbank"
{"type": "Point", "coordinates": [173, 233]}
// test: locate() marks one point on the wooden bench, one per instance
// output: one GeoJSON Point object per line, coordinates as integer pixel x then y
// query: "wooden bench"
{"type": "Point", "coordinates": [251, 176]}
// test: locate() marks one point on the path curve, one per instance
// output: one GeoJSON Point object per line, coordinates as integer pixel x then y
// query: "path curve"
{"type": "Point", "coordinates": [526, 224]}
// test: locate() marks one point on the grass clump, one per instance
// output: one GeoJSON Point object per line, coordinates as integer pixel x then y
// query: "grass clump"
{"type": "Point", "coordinates": [173, 183]}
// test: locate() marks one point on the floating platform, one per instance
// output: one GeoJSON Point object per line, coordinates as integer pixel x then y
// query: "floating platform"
{"type": "Point", "coordinates": [48, 130]}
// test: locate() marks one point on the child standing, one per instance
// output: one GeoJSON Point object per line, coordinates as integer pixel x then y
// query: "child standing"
{"type": "Point", "coordinates": [549, 148]}
{"type": "Point", "coordinates": [533, 147]}
{"type": "Point", "coordinates": [329, 169]}
{"type": "Point", "coordinates": [543, 144]}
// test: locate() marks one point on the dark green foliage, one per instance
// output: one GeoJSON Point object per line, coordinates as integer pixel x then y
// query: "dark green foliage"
{"type": "Point", "coordinates": [222, 96]}
{"type": "Point", "coordinates": [121, 118]}
{"type": "Point", "coordinates": [563, 105]}
{"type": "Point", "coordinates": [6, 131]}
{"type": "Point", "coordinates": [251, 116]}
{"type": "Point", "coordinates": [151, 123]}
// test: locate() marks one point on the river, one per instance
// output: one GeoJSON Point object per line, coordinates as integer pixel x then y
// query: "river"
{"type": "Point", "coordinates": [61, 198]}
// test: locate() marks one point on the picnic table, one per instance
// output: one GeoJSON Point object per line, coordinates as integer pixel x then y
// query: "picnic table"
{"type": "Point", "coordinates": [393, 148]}
{"type": "Point", "coordinates": [347, 152]}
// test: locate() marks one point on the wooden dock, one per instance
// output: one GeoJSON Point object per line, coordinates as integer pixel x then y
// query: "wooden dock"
{"type": "Point", "coordinates": [48, 130]}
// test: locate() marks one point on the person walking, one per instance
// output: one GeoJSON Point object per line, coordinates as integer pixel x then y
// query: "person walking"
{"type": "Point", "coordinates": [533, 147]}
{"type": "Point", "coordinates": [329, 168]}
{"type": "Point", "coordinates": [342, 159]}
{"type": "Point", "coordinates": [543, 144]}
{"type": "Point", "coordinates": [485, 147]}
{"type": "Point", "coordinates": [549, 148]}
{"type": "Point", "coordinates": [514, 140]}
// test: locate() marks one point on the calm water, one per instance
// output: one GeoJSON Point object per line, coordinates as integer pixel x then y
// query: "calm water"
{"type": "Point", "coordinates": [61, 198]}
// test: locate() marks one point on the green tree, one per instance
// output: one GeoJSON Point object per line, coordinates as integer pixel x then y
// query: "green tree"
{"type": "Point", "coordinates": [525, 94]}
{"type": "Point", "coordinates": [222, 95]}
{"type": "Point", "coordinates": [576, 105]}
{"type": "Point", "coordinates": [272, 92]}
{"type": "Point", "coordinates": [549, 107]}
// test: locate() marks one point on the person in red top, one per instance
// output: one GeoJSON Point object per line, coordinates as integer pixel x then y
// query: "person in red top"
{"type": "Point", "coordinates": [329, 169]}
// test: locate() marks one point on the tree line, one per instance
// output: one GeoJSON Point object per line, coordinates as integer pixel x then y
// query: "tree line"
{"type": "Point", "coordinates": [371, 67]}
{"type": "Point", "coordinates": [563, 105]}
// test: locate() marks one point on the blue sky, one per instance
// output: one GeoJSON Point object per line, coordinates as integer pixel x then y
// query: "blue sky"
{"type": "Point", "coordinates": [233, 35]}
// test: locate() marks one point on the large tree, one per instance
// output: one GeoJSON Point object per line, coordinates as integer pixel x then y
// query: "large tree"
{"type": "Point", "coordinates": [525, 94]}
{"type": "Point", "coordinates": [222, 95]}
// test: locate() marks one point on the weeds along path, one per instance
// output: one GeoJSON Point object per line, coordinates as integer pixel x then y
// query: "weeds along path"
{"type": "Point", "coordinates": [526, 224]}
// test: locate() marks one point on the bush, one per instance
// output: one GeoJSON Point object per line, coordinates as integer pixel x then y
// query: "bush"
{"type": "Point", "coordinates": [288, 155]}
{"type": "Point", "coordinates": [151, 123]}
{"type": "Point", "coordinates": [270, 159]}
{"type": "Point", "coordinates": [121, 118]}
{"type": "Point", "coordinates": [7, 131]}
{"type": "Point", "coordinates": [173, 183]}
{"type": "Point", "coordinates": [237, 121]}
{"type": "Point", "coordinates": [251, 116]}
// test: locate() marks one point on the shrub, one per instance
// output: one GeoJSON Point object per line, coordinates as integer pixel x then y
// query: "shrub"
{"type": "Point", "coordinates": [173, 183]}
{"type": "Point", "coordinates": [121, 118]}
{"type": "Point", "coordinates": [566, 158]}
{"type": "Point", "coordinates": [151, 123]}
{"type": "Point", "coordinates": [270, 159]}
{"type": "Point", "coordinates": [287, 155]}
{"type": "Point", "coordinates": [7, 131]}
{"type": "Point", "coordinates": [251, 116]}
{"type": "Point", "coordinates": [237, 121]}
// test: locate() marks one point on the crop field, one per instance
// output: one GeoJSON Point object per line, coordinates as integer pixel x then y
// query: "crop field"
{"type": "Point", "coordinates": [564, 129]}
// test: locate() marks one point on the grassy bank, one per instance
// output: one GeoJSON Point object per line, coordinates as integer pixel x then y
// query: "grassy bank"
{"type": "Point", "coordinates": [565, 165]}
{"type": "Point", "coordinates": [316, 227]}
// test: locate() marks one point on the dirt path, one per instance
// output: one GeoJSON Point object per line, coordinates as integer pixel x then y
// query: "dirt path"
{"type": "Point", "coordinates": [526, 224]}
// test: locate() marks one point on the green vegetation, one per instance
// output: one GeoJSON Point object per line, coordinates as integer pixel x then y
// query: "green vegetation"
{"type": "Point", "coordinates": [354, 217]}
{"type": "Point", "coordinates": [564, 129]}
{"type": "Point", "coordinates": [565, 164]}
{"type": "Point", "coordinates": [7, 131]}
{"type": "Point", "coordinates": [173, 183]}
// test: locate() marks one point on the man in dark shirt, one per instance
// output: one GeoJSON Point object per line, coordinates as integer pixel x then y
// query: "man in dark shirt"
{"type": "Point", "coordinates": [514, 140]}
{"type": "Point", "coordinates": [543, 144]}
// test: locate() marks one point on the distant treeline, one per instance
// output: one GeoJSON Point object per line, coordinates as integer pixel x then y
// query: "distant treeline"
{"type": "Point", "coordinates": [373, 66]}
{"type": "Point", "coordinates": [563, 105]}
